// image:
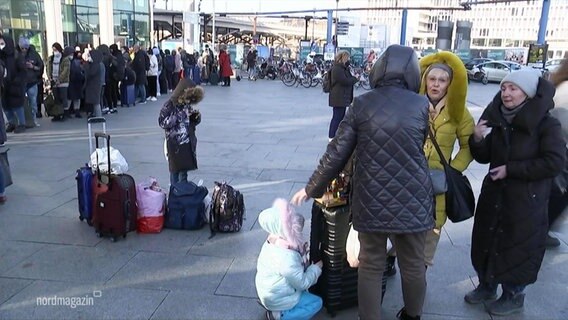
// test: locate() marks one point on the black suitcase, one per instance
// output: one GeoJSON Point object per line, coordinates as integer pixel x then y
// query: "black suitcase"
{"type": "Point", "coordinates": [337, 285]}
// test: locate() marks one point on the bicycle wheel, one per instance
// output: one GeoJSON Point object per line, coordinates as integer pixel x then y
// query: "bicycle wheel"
{"type": "Point", "coordinates": [306, 82]}
{"type": "Point", "coordinates": [288, 79]}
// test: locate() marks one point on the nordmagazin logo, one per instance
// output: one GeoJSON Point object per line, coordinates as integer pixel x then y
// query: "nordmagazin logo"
{"type": "Point", "coordinates": [72, 302]}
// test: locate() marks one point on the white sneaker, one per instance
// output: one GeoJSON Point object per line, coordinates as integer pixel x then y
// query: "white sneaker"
{"type": "Point", "coordinates": [159, 94]}
{"type": "Point", "coordinates": [153, 99]}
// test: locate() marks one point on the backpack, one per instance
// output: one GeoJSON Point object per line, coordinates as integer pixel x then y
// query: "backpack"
{"type": "Point", "coordinates": [119, 68]}
{"type": "Point", "coordinates": [227, 209]}
{"type": "Point", "coordinates": [186, 209]}
{"type": "Point", "coordinates": [326, 84]}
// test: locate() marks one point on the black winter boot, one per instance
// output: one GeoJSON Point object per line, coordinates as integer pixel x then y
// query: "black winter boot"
{"type": "Point", "coordinates": [507, 304]}
{"type": "Point", "coordinates": [402, 315]}
{"type": "Point", "coordinates": [483, 293]}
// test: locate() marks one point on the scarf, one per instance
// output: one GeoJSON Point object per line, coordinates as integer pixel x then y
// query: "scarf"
{"type": "Point", "coordinates": [436, 109]}
{"type": "Point", "coordinates": [509, 114]}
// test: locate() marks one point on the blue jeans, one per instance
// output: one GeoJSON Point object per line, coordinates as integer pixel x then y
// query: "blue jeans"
{"type": "Point", "coordinates": [16, 116]}
{"type": "Point", "coordinates": [32, 99]}
{"type": "Point", "coordinates": [140, 92]}
{"type": "Point", "coordinates": [179, 176]}
{"type": "Point", "coordinates": [306, 308]}
{"type": "Point", "coordinates": [338, 115]}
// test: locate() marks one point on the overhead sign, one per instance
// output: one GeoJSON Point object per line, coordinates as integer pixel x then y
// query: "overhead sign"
{"type": "Point", "coordinates": [342, 28]}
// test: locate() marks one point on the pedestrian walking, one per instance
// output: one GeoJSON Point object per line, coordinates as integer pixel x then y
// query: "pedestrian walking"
{"type": "Point", "coordinates": [341, 90]}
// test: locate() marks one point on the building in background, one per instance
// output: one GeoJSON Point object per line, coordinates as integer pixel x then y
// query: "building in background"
{"type": "Point", "coordinates": [77, 22]}
{"type": "Point", "coordinates": [494, 26]}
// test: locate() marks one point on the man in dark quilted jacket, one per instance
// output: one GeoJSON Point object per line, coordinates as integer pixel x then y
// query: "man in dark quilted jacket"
{"type": "Point", "coordinates": [385, 130]}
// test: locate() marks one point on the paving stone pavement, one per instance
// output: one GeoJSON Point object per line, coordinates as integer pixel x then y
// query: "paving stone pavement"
{"type": "Point", "coordinates": [262, 137]}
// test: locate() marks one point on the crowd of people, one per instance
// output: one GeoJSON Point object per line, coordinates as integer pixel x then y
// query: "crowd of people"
{"type": "Point", "coordinates": [94, 81]}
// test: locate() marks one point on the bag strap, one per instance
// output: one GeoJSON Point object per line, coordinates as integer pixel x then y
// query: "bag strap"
{"type": "Point", "coordinates": [435, 143]}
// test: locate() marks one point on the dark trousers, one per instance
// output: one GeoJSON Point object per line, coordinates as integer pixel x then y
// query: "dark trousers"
{"type": "Point", "coordinates": [175, 79]}
{"type": "Point", "coordinates": [169, 79]}
{"type": "Point", "coordinates": [372, 260]}
{"type": "Point", "coordinates": [227, 81]}
{"type": "Point", "coordinates": [152, 86]}
{"type": "Point", "coordinates": [111, 94]}
{"type": "Point", "coordinates": [338, 114]}
{"type": "Point", "coordinates": [39, 99]}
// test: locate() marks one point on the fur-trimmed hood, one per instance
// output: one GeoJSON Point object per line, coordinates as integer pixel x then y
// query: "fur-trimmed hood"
{"type": "Point", "coordinates": [457, 91]}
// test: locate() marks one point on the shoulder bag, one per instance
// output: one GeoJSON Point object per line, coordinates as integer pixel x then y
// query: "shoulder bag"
{"type": "Point", "coordinates": [460, 201]}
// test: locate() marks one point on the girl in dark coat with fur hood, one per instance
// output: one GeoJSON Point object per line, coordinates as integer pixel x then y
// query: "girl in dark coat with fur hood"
{"type": "Point", "coordinates": [179, 119]}
{"type": "Point", "coordinates": [524, 150]}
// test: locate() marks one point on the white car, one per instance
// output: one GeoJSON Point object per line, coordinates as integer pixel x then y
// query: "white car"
{"type": "Point", "coordinates": [551, 65]}
{"type": "Point", "coordinates": [495, 70]}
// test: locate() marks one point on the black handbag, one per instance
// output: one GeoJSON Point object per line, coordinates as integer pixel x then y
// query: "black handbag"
{"type": "Point", "coordinates": [460, 201]}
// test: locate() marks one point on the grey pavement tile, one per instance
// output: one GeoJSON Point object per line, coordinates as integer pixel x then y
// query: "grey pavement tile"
{"type": "Point", "coordinates": [173, 272]}
{"type": "Point", "coordinates": [12, 252]}
{"type": "Point", "coordinates": [167, 241]}
{"type": "Point", "coordinates": [459, 233]}
{"type": "Point", "coordinates": [202, 305]}
{"type": "Point", "coordinates": [11, 287]}
{"type": "Point", "coordinates": [285, 174]}
{"type": "Point", "coordinates": [31, 205]}
{"type": "Point", "coordinates": [91, 302]}
{"type": "Point", "coordinates": [544, 301]}
{"type": "Point", "coordinates": [47, 230]}
{"type": "Point", "coordinates": [242, 270]}
{"type": "Point", "coordinates": [280, 163]}
{"type": "Point", "coordinates": [71, 263]}
{"type": "Point", "coordinates": [32, 186]}
{"type": "Point", "coordinates": [231, 245]}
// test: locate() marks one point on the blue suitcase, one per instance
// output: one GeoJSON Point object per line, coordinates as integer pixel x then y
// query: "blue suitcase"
{"type": "Point", "coordinates": [85, 176]}
{"type": "Point", "coordinates": [196, 75]}
{"type": "Point", "coordinates": [127, 95]}
{"type": "Point", "coordinates": [186, 209]}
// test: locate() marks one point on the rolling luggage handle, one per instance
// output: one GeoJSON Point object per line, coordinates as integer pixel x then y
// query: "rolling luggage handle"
{"type": "Point", "coordinates": [90, 121]}
{"type": "Point", "coordinates": [107, 139]}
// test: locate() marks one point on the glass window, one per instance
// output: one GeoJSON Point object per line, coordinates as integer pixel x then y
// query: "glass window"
{"type": "Point", "coordinates": [87, 19]}
{"type": "Point", "coordinates": [69, 17]}
{"type": "Point", "coordinates": [127, 5]}
{"type": "Point", "coordinates": [5, 15]}
{"type": "Point", "coordinates": [141, 28]}
{"type": "Point", "coordinates": [26, 14]}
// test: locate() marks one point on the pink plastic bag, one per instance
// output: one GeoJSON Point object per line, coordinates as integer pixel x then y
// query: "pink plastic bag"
{"type": "Point", "coordinates": [151, 206]}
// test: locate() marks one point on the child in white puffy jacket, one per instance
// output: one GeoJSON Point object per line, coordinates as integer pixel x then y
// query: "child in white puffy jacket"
{"type": "Point", "coordinates": [284, 274]}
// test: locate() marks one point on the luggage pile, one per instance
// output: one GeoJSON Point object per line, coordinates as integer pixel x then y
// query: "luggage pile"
{"type": "Point", "coordinates": [111, 201]}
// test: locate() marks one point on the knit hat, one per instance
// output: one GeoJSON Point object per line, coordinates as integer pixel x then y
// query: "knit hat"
{"type": "Point", "coordinates": [441, 66]}
{"type": "Point", "coordinates": [24, 43]}
{"type": "Point", "coordinates": [526, 79]}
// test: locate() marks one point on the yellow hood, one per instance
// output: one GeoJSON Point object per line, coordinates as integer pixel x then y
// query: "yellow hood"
{"type": "Point", "coordinates": [457, 91]}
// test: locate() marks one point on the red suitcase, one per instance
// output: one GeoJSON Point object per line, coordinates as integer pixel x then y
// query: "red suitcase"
{"type": "Point", "coordinates": [114, 208]}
